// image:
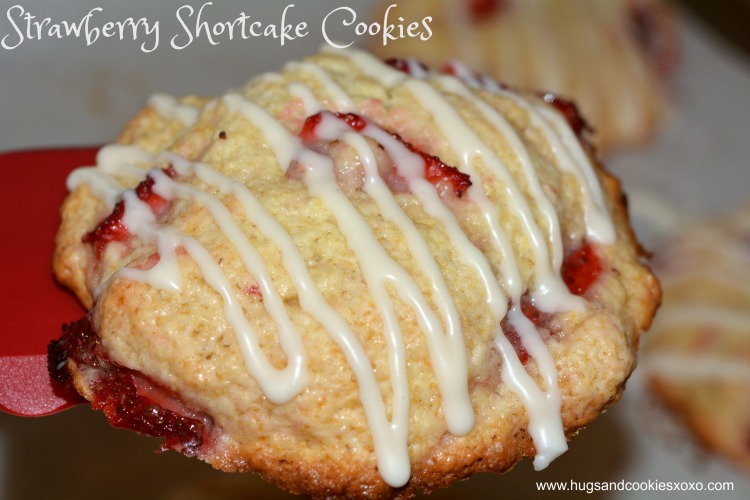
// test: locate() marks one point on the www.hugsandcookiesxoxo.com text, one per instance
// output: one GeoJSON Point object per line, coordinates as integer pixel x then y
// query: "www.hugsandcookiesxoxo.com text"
{"type": "Point", "coordinates": [193, 26]}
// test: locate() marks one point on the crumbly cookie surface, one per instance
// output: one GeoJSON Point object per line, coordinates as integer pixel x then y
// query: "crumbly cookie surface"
{"type": "Point", "coordinates": [319, 275]}
{"type": "Point", "coordinates": [613, 58]}
{"type": "Point", "coordinates": [698, 355]}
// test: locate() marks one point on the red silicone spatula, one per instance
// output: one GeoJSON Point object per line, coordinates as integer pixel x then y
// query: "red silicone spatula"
{"type": "Point", "coordinates": [34, 307]}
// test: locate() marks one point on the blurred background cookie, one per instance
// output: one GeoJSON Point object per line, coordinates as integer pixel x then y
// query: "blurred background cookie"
{"type": "Point", "coordinates": [698, 351]}
{"type": "Point", "coordinates": [613, 58]}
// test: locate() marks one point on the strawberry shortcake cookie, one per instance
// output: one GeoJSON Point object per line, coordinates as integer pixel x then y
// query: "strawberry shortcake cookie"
{"type": "Point", "coordinates": [356, 278]}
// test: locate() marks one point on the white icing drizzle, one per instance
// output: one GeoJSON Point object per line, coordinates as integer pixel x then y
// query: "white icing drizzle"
{"type": "Point", "coordinates": [573, 159]}
{"type": "Point", "coordinates": [390, 437]}
{"type": "Point", "coordinates": [279, 386]}
{"type": "Point", "coordinates": [370, 65]}
{"type": "Point", "coordinates": [545, 420]}
{"type": "Point", "coordinates": [468, 46]}
{"type": "Point", "coordinates": [169, 107]}
{"type": "Point", "coordinates": [708, 255]}
{"type": "Point", "coordinates": [447, 350]}
{"type": "Point", "coordinates": [550, 40]}
{"type": "Point", "coordinates": [548, 63]}
{"type": "Point", "coordinates": [551, 293]}
{"type": "Point", "coordinates": [309, 102]}
{"type": "Point", "coordinates": [341, 100]}
{"type": "Point", "coordinates": [566, 147]}
{"type": "Point", "coordinates": [378, 269]}
{"type": "Point", "coordinates": [284, 145]}
{"type": "Point", "coordinates": [113, 159]}
{"type": "Point", "coordinates": [543, 408]}
{"type": "Point", "coordinates": [731, 256]}
{"type": "Point", "coordinates": [442, 326]}
{"type": "Point", "coordinates": [411, 166]}
{"type": "Point", "coordinates": [416, 69]}
{"type": "Point", "coordinates": [545, 424]}
{"type": "Point", "coordinates": [447, 353]}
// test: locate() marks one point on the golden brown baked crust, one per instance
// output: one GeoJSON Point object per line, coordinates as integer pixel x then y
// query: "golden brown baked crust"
{"type": "Point", "coordinates": [614, 58]}
{"type": "Point", "coordinates": [319, 442]}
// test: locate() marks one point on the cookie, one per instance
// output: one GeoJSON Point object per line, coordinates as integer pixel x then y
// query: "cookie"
{"type": "Point", "coordinates": [698, 354]}
{"type": "Point", "coordinates": [353, 278]}
{"type": "Point", "coordinates": [615, 59]}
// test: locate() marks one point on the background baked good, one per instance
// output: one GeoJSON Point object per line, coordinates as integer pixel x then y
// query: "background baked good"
{"type": "Point", "coordinates": [698, 352]}
{"type": "Point", "coordinates": [614, 59]}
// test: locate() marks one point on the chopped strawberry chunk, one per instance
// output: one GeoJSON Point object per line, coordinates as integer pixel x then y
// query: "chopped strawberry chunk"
{"type": "Point", "coordinates": [115, 394]}
{"type": "Point", "coordinates": [538, 318]}
{"type": "Point", "coordinates": [529, 310]}
{"type": "Point", "coordinates": [581, 268]}
{"type": "Point", "coordinates": [112, 228]}
{"type": "Point", "coordinates": [515, 341]}
{"type": "Point", "coordinates": [355, 121]}
{"type": "Point", "coordinates": [570, 111]}
{"type": "Point", "coordinates": [449, 69]}
{"type": "Point", "coordinates": [109, 230]}
{"type": "Point", "coordinates": [444, 177]}
{"type": "Point", "coordinates": [400, 64]}
{"type": "Point", "coordinates": [145, 193]}
{"type": "Point", "coordinates": [115, 390]}
{"type": "Point", "coordinates": [308, 133]}
{"type": "Point", "coordinates": [405, 65]}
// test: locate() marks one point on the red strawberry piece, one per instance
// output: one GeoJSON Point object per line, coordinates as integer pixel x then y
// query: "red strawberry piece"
{"type": "Point", "coordinates": [444, 177]}
{"type": "Point", "coordinates": [145, 193]}
{"type": "Point", "coordinates": [529, 310]}
{"type": "Point", "coordinates": [538, 318]}
{"type": "Point", "coordinates": [515, 340]}
{"type": "Point", "coordinates": [570, 111]}
{"type": "Point", "coordinates": [109, 230]}
{"type": "Point", "coordinates": [308, 133]}
{"type": "Point", "coordinates": [437, 173]}
{"type": "Point", "coordinates": [112, 228]}
{"type": "Point", "coordinates": [126, 397]}
{"type": "Point", "coordinates": [581, 268]}
{"type": "Point", "coordinates": [354, 120]}
{"type": "Point", "coordinates": [404, 65]}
